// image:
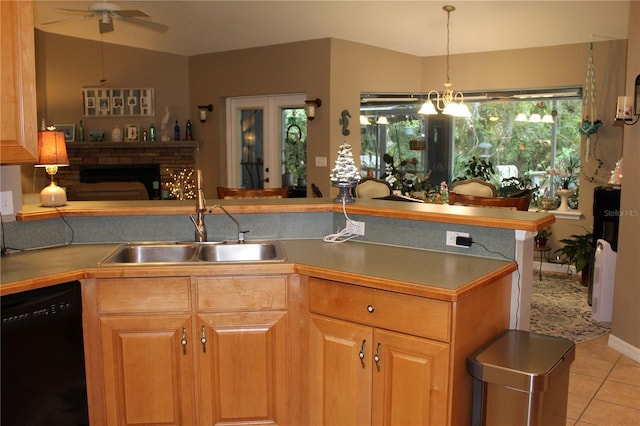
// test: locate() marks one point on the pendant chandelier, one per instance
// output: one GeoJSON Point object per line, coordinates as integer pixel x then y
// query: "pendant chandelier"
{"type": "Point", "coordinates": [448, 102]}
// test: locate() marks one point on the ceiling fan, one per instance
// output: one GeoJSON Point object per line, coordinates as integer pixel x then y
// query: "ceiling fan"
{"type": "Point", "coordinates": [107, 12]}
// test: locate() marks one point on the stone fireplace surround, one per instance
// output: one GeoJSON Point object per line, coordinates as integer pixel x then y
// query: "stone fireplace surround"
{"type": "Point", "coordinates": [125, 159]}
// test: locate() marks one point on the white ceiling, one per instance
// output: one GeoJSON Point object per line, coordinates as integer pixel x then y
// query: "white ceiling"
{"type": "Point", "coordinates": [413, 27]}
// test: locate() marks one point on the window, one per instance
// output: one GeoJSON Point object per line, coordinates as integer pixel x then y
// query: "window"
{"type": "Point", "coordinates": [524, 134]}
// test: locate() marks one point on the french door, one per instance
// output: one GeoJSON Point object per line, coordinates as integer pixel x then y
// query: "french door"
{"type": "Point", "coordinates": [256, 129]}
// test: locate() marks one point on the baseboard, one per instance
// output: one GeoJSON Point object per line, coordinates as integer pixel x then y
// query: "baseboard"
{"type": "Point", "coordinates": [624, 348]}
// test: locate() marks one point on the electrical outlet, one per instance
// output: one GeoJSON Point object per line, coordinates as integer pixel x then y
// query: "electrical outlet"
{"type": "Point", "coordinates": [6, 203]}
{"type": "Point", "coordinates": [451, 238]}
{"type": "Point", "coordinates": [355, 227]}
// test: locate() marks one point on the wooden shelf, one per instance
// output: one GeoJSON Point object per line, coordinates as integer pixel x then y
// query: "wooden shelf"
{"type": "Point", "coordinates": [126, 145]}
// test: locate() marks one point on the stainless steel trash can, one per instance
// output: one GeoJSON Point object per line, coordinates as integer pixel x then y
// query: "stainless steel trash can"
{"type": "Point", "coordinates": [521, 378]}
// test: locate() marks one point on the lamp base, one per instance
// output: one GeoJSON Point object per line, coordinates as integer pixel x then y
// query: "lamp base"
{"type": "Point", "coordinates": [53, 196]}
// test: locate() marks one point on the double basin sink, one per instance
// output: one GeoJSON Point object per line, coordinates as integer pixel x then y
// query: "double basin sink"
{"type": "Point", "coordinates": [193, 252]}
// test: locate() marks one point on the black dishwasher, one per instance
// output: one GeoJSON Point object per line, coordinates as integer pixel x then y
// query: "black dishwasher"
{"type": "Point", "coordinates": [43, 375]}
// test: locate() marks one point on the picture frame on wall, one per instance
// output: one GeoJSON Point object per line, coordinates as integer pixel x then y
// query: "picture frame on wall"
{"type": "Point", "coordinates": [69, 131]}
{"type": "Point", "coordinates": [132, 132]}
{"type": "Point", "coordinates": [118, 102]}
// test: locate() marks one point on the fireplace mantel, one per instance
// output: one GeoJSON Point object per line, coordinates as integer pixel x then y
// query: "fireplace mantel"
{"type": "Point", "coordinates": [130, 145]}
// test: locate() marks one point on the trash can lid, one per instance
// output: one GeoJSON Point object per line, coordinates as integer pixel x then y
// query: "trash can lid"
{"type": "Point", "coordinates": [521, 359]}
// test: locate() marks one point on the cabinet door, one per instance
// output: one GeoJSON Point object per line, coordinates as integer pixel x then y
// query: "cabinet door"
{"type": "Point", "coordinates": [243, 367]}
{"type": "Point", "coordinates": [340, 378]}
{"type": "Point", "coordinates": [148, 371]}
{"type": "Point", "coordinates": [409, 380]}
{"type": "Point", "coordinates": [18, 122]}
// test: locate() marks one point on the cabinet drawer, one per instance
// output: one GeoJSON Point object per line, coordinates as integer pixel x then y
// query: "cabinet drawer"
{"type": "Point", "coordinates": [143, 295]}
{"type": "Point", "coordinates": [393, 311]}
{"type": "Point", "coordinates": [241, 293]}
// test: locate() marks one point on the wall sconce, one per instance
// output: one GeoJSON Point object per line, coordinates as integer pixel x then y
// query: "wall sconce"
{"type": "Point", "coordinates": [310, 106]}
{"type": "Point", "coordinates": [52, 153]}
{"type": "Point", "coordinates": [202, 113]}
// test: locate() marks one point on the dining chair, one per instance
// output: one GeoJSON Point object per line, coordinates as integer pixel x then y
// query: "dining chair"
{"type": "Point", "coordinates": [234, 193]}
{"type": "Point", "coordinates": [372, 188]}
{"type": "Point", "coordinates": [519, 203]}
{"type": "Point", "coordinates": [473, 186]}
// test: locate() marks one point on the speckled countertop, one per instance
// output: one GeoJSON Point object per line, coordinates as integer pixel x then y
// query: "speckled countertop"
{"type": "Point", "coordinates": [415, 271]}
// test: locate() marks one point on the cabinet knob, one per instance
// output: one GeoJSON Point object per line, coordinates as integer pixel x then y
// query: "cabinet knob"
{"type": "Point", "coordinates": [377, 357]}
{"type": "Point", "coordinates": [183, 341]}
{"type": "Point", "coordinates": [370, 308]}
{"type": "Point", "coordinates": [203, 339]}
{"type": "Point", "coordinates": [361, 353]}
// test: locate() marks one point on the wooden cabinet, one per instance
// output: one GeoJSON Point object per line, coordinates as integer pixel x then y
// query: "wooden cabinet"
{"type": "Point", "coordinates": [18, 112]}
{"type": "Point", "coordinates": [242, 325]}
{"type": "Point", "coordinates": [362, 373]}
{"type": "Point", "coordinates": [146, 347]}
{"type": "Point", "coordinates": [148, 369]}
{"type": "Point", "coordinates": [189, 350]}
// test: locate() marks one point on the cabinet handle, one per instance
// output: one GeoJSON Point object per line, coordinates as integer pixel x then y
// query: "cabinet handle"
{"type": "Point", "coordinates": [203, 339]}
{"type": "Point", "coordinates": [376, 357]}
{"type": "Point", "coordinates": [361, 353]}
{"type": "Point", "coordinates": [183, 342]}
{"type": "Point", "coordinates": [370, 308]}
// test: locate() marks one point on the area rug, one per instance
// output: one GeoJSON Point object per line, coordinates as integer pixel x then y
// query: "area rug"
{"type": "Point", "coordinates": [559, 308]}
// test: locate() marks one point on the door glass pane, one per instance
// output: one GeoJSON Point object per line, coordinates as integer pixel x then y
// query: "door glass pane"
{"type": "Point", "coordinates": [252, 141]}
{"type": "Point", "coordinates": [294, 148]}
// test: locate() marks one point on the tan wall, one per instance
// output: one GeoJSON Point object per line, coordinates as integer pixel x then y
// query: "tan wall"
{"type": "Point", "coordinates": [66, 65]}
{"type": "Point", "coordinates": [626, 315]}
{"type": "Point", "coordinates": [288, 68]}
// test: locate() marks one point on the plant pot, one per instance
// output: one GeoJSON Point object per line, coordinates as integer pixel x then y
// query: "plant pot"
{"type": "Point", "coordinates": [564, 195]}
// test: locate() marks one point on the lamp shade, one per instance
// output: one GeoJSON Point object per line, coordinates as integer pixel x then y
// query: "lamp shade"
{"type": "Point", "coordinates": [52, 149]}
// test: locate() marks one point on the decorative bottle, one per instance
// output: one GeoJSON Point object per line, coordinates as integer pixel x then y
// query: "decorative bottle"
{"type": "Point", "coordinates": [81, 132]}
{"type": "Point", "coordinates": [176, 131]}
{"type": "Point", "coordinates": [187, 133]}
{"type": "Point", "coordinates": [152, 133]}
{"type": "Point", "coordinates": [145, 134]}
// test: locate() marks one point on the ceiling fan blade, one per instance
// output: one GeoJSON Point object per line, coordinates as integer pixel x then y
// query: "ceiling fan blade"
{"type": "Point", "coordinates": [130, 13]}
{"type": "Point", "coordinates": [74, 10]}
{"type": "Point", "coordinates": [105, 27]}
{"type": "Point", "coordinates": [61, 21]}
{"type": "Point", "coordinates": [149, 24]}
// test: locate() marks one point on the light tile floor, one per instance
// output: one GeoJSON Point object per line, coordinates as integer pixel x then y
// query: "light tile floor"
{"type": "Point", "coordinates": [604, 387]}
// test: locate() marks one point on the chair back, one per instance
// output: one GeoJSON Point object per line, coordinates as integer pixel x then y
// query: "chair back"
{"type": "Point", "coordinates": [372, 188]}
{"type": "Point", "coordinates": [519, 203]}
{"type": "Point", "coordinates": [236, 193]}
{"type": "Point", "coordinates": [473, 186]}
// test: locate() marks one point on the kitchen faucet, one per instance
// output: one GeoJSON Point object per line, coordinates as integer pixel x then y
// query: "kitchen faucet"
{"type": "Point", "coordinates": [240, 233]}
{"type": "Point", "coordinates": [201, 209]}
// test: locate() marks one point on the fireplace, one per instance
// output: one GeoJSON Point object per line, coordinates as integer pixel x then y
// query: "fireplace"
{"type": "Point", "coordinates": [147, 174]}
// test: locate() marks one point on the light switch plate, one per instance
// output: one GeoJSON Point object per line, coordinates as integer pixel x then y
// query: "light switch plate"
{"type": "Point", "coordinates": [321, 161]}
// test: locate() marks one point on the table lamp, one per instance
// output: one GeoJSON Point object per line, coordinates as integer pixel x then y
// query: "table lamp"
{"type": "Point", "coordinates": [52, 153]}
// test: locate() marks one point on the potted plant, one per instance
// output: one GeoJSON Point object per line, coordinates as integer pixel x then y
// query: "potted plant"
{"type": "Point", "coordinates": [478, 168]}
{"type": "Point", "coordinates": [541, 238]}
{"type": "Point", "coordinates": [578, 250]}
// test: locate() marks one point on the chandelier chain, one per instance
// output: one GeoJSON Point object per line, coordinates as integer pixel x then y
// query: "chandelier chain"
{"type": "Point", "coordinates": [448, 19]}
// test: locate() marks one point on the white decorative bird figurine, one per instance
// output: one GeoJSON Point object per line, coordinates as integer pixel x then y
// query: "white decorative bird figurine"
{"type": "Point", "coordinates": [165, 118]}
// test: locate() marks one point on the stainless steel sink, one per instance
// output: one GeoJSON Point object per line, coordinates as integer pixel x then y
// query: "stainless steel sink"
{"type": "Point", "coordinates": [247, 252]}
{"type": "Point", "coordinates": [187, 252]}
